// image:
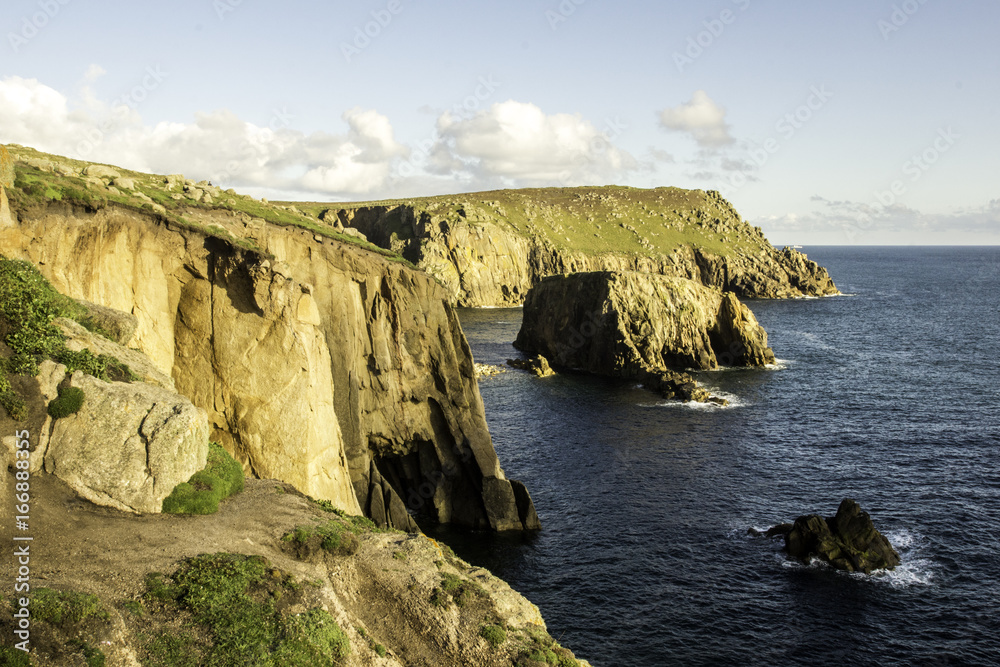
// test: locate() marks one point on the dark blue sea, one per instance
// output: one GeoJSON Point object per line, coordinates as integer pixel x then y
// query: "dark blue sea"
{"type": "Point", "coordinates": [888, 395]}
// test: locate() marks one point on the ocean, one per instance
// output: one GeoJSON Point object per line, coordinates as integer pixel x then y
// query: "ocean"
{"type": "Point", "coordinates": [888, 395]}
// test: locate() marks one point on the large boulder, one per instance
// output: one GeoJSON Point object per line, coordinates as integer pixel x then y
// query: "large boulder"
{"type": "Point", "coordinates": [129, 445]}
{"type": "Point", "coordinates": [640, 326]}
{"type": "Point", "coordinates": [847, 541]}
{"type": "Point", "coordinates": [118, 324]}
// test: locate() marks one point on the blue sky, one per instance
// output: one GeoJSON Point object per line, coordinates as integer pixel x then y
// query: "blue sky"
{"type": "Point", "coordinates": [825, 123]}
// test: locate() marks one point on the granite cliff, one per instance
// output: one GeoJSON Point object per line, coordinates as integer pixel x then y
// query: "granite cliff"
{"type": "Point", "coordinates": [490, 248]}
{"type": "Point", "coordinates": [319, 361]}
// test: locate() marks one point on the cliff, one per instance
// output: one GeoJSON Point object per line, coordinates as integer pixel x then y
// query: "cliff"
{"type": "Point", "coordinates": [639, 326]}
{"type": "Point", "coordinates": [319, 360]}
{"type": "Point", "coordinates": [490, 248]}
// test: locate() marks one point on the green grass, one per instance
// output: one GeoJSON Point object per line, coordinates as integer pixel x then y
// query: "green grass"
{"type": "Point", "coordinates": [221, 478]}
{"type": "Point", "coordinates": [494, 634]}
{"type": "Point", "coordinates": [68, 403]}
{"type": "Point", "coordinates": [455, 589]}
{"type": "Point", "coordinates": [28, 304]}
{"type": "Point", "coordinates": [231, 600]}
{"type": "Point", "coordinates": [35, 188]}
{"type": "Point", "coordinates": [337, 537]}
{"type": "Point", "coordinates": [592, 220]}
{"type": "Point", "coordinates": [64, 608]}
{"type": "Point", "coordinates": [12, 657]}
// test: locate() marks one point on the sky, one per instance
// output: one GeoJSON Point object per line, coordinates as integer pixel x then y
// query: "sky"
{"type": "Point", "coordinates": [857, 122]}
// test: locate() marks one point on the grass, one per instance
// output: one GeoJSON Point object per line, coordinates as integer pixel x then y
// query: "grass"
{"type": "Point", "coordinates": [12, 657]}
{"type": "Point", "coordinates": [592, 220]}
{"type": "Point", "coordinates": [68, 403]}
{"type": "Point", "coordinates": [28, 304]}
{"type": "Point", "coordinates": [34, 188]}
{"type": "Point", "coordinates": [64, 608]}
{"type": "Point", "coordinates": [234, 619]}
{"type": "Point", "coordinates": [337, 537]}
{"type": "Point", "coordinates": [494, 634]}
{"type": "Point", "coordinates": [455, 589]}
{"type": "Point", "coordinates": [221, 478]}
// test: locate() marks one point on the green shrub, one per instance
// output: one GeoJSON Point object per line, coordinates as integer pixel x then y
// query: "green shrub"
{"type": "Point", "coordinates": [494, 634]}
{"type": "Point", "coordinates": [232, 598]}
{"type": "Point", "coordinates": [64, 608]}
{"type": "Point", "coordinates": [68, 403]}
{"type": "Point", "coordinates": [455, 589]}
{"type": "Point", "coordinates": [222, 477]}
{"type": "Point", "coordinates": [12, 657]}
{"type": "Point", "coordinates": [337, 537]}
{"type": "Point", "coordinates": [28, 304]}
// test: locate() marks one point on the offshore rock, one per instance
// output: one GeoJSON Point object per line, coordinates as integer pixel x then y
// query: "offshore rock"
{"type": "Point", "coordinates": [538, 365]}
{"type": "Point", "coordinates": [847, 541]}
{"type": "Point", "coordinates": [640, 326]}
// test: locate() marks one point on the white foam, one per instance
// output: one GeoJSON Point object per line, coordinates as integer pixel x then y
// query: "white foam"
{"type": "Point", "coordinates": [734, 402]}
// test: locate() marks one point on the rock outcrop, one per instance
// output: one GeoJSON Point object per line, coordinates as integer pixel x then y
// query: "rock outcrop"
{"type": "Point", "coordinates": [640, 326]}
{"type": "Point", "coordinates": [537, 365]}
{"type": "Point", "coordinates": [129, 445]}
{"type": "Point", "coordinates": [6, 181]}
{"type": "Point", "coordinates": [316, 361]}
{"type": "Point", "coordinates": [490, 248]}
{"type": "Point", "coordinates": [848, 541]}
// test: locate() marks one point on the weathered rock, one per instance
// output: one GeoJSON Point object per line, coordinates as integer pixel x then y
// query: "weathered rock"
{"type": "Point", "coordinates": [6, 168]}
{"type": "Point", "coordinates": [103, 172]}
{"type": "Point", "coordinates": [124, 183]}
{"type": "Point", "coordinates": [525, 506]}
{"type": "Point", "coordinates": [487, 370]}
{"type": "Point", "coordinates": [537, 364]}
{"type": "Point", "coordinates": [129, 445]}
{"type": "Point", "coordinates": [306, 385]}
{"type": "Point", "coordinates": [119, 325]}
{"type": "Point", "coordinates": [847, 541]}
{"type": "Point", "coordinates": [489, 249]}
{"type": "Point", "coordinates": [6, 181]}
{"type": "Point", "coordinates": [78, 338]}
{"type": "Point", "coordinates": [640, 326]}
{"type": "Point", "coordinates": [355, 233]}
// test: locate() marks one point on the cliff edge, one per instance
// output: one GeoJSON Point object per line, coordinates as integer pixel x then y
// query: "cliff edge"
{"type": "Point", "coordinates": [490, 248]}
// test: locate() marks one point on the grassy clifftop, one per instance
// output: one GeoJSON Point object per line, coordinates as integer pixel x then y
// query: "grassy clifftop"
{"type": "Point", "coordinates": [592, 220]}
{"type": "Point", "coordinates": [41, 179]}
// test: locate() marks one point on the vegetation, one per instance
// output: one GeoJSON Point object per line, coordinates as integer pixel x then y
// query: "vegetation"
{"type": "Point", "coordinates": [68, 403]}
{"type": "Point", "coordinates": [221, 478]}
{"type": "Point", "coordinates": [455, 589]}
{"type": "Point", "coordinates": [494, 634]}
{"type": "Point", "coordinates": [592, 220]}
{"type": "Point", "coordinates": [28, 304]}
{"type": "Point", "coordinates": [538, 646]}
{"type": "Point", "coordinates": [237, 614]}
{"type": "Point", "coordinates": [63, 608]}
{"type": "Point", "coordinates": [61, 179]}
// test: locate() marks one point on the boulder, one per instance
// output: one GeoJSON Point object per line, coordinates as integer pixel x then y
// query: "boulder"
{"type": "Point", "coordinates": [129, 445]}
{"type": "Point", "coordinates": [847, 541]}
{"type": "Point", "coordinates": [102, 172]}
{"type": "Point", "coordinates": [124, 183]}
{"type": "Point", "coordinates": [537, 364]}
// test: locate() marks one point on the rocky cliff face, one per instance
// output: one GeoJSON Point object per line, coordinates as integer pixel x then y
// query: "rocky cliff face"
{"type": "Point", "coordinates": [490, 248]}
{"type": "Point", "coordinates": [634, 325]}
{"type": "Point", "coordinates": [318, 363]}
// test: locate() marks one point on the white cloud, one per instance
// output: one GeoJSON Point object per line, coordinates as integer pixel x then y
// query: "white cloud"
{"type": "Point", "coordinates": [516, 143]}
{"type": "Point", "coordinates": [702, 118]}
{"type": "Point", "coordinates": [218, 146]}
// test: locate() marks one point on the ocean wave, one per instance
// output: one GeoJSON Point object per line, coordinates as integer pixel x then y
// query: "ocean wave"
{"type": "Point", "coordinates": [734, 402]}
